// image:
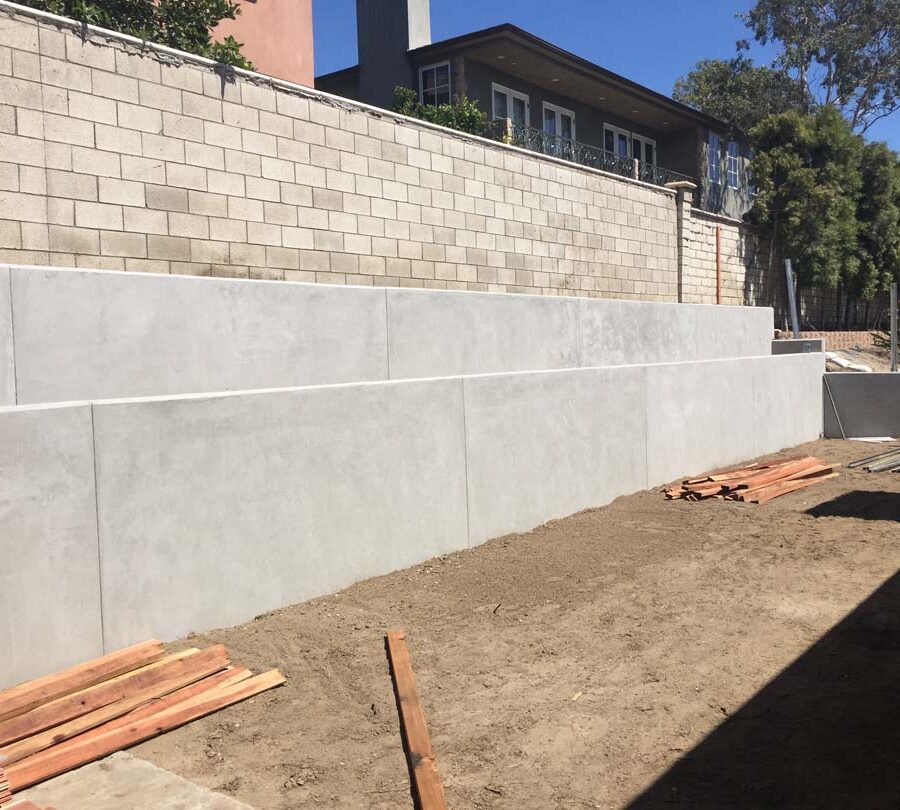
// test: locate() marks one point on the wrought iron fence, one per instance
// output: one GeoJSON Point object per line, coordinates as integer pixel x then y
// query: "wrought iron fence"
{"type": "Point", "coordinates": [536, 140]}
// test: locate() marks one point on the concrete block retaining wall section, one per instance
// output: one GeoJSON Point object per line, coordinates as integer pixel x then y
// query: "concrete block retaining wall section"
{"type": "Point", "coordinates": [123, 155]}
{"type": "Point", "coordinates": [866, 404]}
{"type": "Point", "coordinates": [90, 335]}
{"type": "Point", "coordinates": [211, 509]}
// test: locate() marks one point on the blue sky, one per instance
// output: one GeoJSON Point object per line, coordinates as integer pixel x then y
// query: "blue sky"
{"type": "Point", "coordinates": [651, 41]}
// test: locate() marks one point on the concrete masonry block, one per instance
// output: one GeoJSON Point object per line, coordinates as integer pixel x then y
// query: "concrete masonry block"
{"type": "Point", "coordinates": [548, 444]}
{"type": "Point", "coordinates": [461, 333]}
{"type": "Point", "coordinates": [83, 335]}
{"type": "Point", "coordinates": [215, 509]}
{"type": "Point", "coordinates": [699, 416]}
{"type": "Point", "coordinates": [50, 584]}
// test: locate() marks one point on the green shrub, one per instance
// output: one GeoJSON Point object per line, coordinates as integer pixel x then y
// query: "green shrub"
{"type": "Point", "coordinates": [462, 115]}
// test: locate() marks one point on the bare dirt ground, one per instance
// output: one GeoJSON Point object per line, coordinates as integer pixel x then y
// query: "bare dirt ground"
{"type": "Point", "coordinates": [875, 358]}
{"type": "Point", "coordinates": [646, 654]}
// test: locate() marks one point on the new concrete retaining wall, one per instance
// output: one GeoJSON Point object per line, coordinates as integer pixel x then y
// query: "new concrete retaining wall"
{"type": "Point", "coordinates": [866, 404]}
{"type": "Point", "coordinates": [89, 335]}
{"type": "Point", "coordinates": [211, 509]}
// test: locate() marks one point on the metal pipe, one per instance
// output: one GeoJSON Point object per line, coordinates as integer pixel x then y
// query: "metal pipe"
{"type": "Point", "coordinates": [792, 298]}
{"type": "Point", "coordinates": [718, 264]}
{"type": "Point", "coordinates": [884, 466]}
{"type": "Point", "coordinates": [833, 406]}
{"type": "Point", "coordinates": [894, 318]}
{"type": "Point", "coordinates": [876, 457]}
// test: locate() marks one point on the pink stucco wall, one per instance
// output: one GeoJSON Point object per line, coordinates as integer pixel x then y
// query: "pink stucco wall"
{"type": "Point", "coordinates": [277, 37]}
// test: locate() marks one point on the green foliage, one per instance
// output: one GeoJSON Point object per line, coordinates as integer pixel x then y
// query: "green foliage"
{"type": "Point", "coordinates": [738, 92]}
{"type": "Point", "coordinates": [845, 53]}
{"type": "Point", "coordinates": [878, 215]}
{"type": "Point", "coordinates": [181, 24]}
{"type": "Point", "coordinates": [463, 115]}
{"type": "Point", "coordinates": [808, 179]}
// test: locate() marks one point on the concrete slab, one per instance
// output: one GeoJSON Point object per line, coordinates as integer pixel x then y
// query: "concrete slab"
{"type": "Point", "coordinates": [617, 333]}
{"type": "Point", "coordinates": [449, 333]}
{"type": "Point", "coordinates": [92, 335]}
{"type": "Point", "coordinates": [124, 782]}
{"type": "Point", "coordinates": [7, 346]}
{"type": "Point", "coordinates": [868, 404]}
{"type": "Point", "coordinates": [214, 509]}
{"type": "Point", "coordinates": [545, 445]}
{"type": "Point", "coordinates": [699, 416]}
{"type": "Point", "coordinates": [786, 410]}
{"type": "Point", "coordinates": [733, 331]}
{"type": "Point", "coordinates": [49, 576]}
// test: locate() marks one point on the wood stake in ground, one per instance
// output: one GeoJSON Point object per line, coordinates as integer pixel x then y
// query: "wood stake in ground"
{"type": "Point", "coordinates": [427, 785]}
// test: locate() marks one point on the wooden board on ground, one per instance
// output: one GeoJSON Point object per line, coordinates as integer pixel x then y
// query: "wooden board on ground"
{"type": "Point", "coordinates": [428, 788]}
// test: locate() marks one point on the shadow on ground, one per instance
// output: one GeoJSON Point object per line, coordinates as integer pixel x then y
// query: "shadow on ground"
{"type": "Point", "coordinates": [863, 504]}
{"type": "Point", "coordinates": [825, 733]}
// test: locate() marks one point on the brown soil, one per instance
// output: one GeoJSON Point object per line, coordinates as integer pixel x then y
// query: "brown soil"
{"type": "Point", "coordinates": [577, 664]}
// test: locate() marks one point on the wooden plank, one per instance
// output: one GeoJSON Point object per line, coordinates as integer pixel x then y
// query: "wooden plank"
{"type": "Point", "coordinates": [88, 700]}
{"type": "Point", "coordinates": [171, 677]}
{"type": "Point", "coordinates": [227, 677]}
{"type": "Point", "coordinates": [428, 789]}
{"type": "Point", "coordinates": [26, 696]}
{"type": "Point", "coordinates": [88, 748]}
{"type": "Point", "coordinates": [784, 487]}
{"type": "Point", "coordinates": [817, 469]}
{"type": "Point", "coordinates": [776, 474]}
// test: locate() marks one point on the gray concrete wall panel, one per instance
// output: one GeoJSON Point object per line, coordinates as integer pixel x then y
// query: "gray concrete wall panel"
{"type": "Point", "coordinates": [49, 577]}
{"type": "Point", "coordinates": [215, 509]}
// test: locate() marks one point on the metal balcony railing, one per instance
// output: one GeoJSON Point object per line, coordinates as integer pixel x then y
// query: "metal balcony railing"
{"type": "Point", "coordinates": [536, 140]}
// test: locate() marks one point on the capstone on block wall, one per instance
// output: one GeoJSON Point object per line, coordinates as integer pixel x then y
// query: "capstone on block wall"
{"type": "Point", "coordinates": [115, 158]}
{"type": "Point", "coordinates": [743, 257]}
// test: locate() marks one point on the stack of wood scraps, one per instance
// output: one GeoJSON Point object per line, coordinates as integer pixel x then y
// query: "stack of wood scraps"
{"type": "Point", "coordinates": [755, 483]}
{"type": "Point", "coordinates": [60, 722]}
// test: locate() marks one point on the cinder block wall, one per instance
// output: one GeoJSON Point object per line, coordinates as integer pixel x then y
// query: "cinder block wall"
{"type": "Point", "coordinates": [743, 261]}
{"type": "Point", "coordinates": [115, 155]}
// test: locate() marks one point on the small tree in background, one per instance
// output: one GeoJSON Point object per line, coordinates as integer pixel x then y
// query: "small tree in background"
{"type": "Point", "coordinates": [878, 215]}
{"type": "Point", "coordinates": [807, 174]}
{"type": "Point", "coordinates": [462, 115]}
{"type": "Point", "coordinates": [738, 92]}
{"type": "Point", "coordinates": [182, 24]}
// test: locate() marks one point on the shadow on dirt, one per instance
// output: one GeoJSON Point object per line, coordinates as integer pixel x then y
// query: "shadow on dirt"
{"type": "Point", "coordinates": [823, 734]}
{"type": "Point", "coordinates": [863, 504]}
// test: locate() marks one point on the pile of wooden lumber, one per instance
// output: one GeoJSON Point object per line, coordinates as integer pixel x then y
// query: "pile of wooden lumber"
{"type": "Point", "coordinates": [60, 722]}
{"type": "Point", "coordinates": [755, 483]}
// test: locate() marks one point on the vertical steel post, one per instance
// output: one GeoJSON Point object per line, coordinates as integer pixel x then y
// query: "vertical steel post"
{"type": "Point", "coordinates": [894, 319]}
{"type": "Point", "coordinates": [792, 298]}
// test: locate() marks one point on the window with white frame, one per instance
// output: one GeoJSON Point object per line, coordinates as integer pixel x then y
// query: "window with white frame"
{"type": "Point", "coordinates": [714, 158]}
{"type": "Point", "coordinates": [617, 141]}
{"type": "Point", "coordinates": [643, 149]}
{"type": "Point", "coordinates": [559, 121]}
{"type": "Point", "coordinates": [510, 104]}
{"type": "Point", "coordinates": [434, 84]}
{"type": "Point", "coordinates": [731, 169]}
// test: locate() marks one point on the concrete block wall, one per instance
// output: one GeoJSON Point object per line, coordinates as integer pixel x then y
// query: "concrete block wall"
{"type": "Point", "coordinates": [126, 519]}
{"type": "Point", "coordinates": [88, 335]}
{"type": "Point", "coordinates": [744, 262]}
{"type": "Point", "coordinates": [121, 156]}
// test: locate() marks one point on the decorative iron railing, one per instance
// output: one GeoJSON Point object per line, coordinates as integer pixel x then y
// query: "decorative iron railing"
{"type": "Point", "coordinates": [536, 140]}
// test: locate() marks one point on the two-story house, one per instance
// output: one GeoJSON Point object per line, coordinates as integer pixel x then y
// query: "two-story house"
{"type": "Point", "coordinates": [543, 98]}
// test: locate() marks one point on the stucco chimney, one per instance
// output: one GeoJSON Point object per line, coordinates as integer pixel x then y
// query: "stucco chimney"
{"type": "Point", "coordinates": [386, 30]}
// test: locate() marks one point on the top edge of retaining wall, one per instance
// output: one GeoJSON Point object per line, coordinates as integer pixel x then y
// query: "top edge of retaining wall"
{"type": "Point", "coordinates": [363, 290]}
{"type": "Point", "coordinates": [213, 395]}
{"type": "Point", "coordinates": [699, 213]}
{"type": "Point", "coordinates": [173, 56]}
